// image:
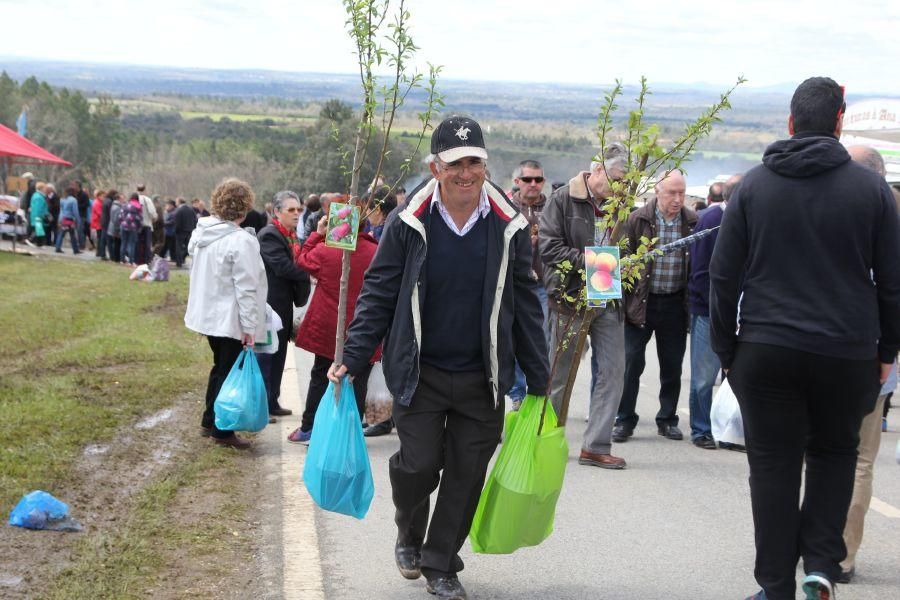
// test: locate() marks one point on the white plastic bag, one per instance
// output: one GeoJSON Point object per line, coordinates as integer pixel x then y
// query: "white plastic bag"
{"type": "Point", "coordinates": [725, 415]}
{"type": "Point", "coordinates": [269, 344]}
{"type": "Point", "coordinates": [379, 402]}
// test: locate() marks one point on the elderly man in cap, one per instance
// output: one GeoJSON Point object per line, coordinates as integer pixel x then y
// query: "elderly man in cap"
{"type": "Point", "coordinates": [452, 293]}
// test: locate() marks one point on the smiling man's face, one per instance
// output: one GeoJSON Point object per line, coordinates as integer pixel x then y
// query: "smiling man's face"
{"type": "Point", "coordinates": [460, 180]}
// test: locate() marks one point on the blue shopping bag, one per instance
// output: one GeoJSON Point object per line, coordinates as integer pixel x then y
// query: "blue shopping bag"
{"type": "Point", "coordinates": [242, 404]}
{"type": "Point", "coordinates": [337, 472]}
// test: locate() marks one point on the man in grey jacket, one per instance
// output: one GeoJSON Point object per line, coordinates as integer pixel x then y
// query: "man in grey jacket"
{"type": "Point", "coordinates": [567, 226]}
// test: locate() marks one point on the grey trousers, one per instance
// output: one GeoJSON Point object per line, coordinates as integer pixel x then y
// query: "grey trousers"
{"type": "Point", "coordinates": [607, 336]}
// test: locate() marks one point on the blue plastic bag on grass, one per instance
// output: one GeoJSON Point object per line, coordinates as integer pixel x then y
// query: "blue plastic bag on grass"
{"type": "Point", "coordinates": [242, 404]}
{"type": "Point", "coordinates": [337, 472]}
{"type": "Point", "coordinates": [40, 510]}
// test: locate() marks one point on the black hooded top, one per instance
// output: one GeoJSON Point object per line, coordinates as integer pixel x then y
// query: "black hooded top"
{"type": "Point", "coordinates": [808, 257]}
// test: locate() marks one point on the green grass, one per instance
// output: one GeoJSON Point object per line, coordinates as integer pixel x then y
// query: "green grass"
{"type": "Point", "coordinates": [137, 556]}
{"type": "Point", "coordinates": [85, 351]}
{"type": "Point", "coordinates": [216, 116]}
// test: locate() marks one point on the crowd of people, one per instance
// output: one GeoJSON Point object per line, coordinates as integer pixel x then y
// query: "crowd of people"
{"type": "Point", "coordinates": [460, 292]}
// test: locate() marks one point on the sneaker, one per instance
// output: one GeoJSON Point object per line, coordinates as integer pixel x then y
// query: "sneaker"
{"type": "Point", "coordinates": [516, 405]}
{"type": "Point", "coordinates": [817, 587]}
{"type": "Point", "coordinates": [298, 436]}
{"type": "Point", "coordinates": [847, 576]}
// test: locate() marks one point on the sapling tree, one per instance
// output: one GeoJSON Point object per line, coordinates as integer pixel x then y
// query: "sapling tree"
{"type": "Point", "coordinates": [648, 159]}
{"type": "Point", "coordinates": [382, 41]}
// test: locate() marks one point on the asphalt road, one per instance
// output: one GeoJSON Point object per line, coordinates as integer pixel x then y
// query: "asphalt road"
{"type": "Point", "coordinates": [676, 524]}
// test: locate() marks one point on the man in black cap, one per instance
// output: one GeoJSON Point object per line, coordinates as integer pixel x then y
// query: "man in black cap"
{"type": "Point", "coordinates": [452, 293]}
{"type": "Point", "coordinates": [805, 317]}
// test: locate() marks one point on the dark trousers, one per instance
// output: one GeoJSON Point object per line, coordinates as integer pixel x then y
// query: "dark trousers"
{"type": "Point", "coordinates": [272, 366]}
{"type": "Point", "coordinates": [115, 248]}
{"type": "Point", "coordinates": [799, 405]}
{"type": "Point", "coordinates": [225, 352]}
{"type": "Point", "coordinates": [144, 248]}
{"type": "Point", "coordinates": [451, 425]}
{"type": "Point", "coordinates": [181, 244]}
{"type": "Point", "coordinates": [318, 383]}
{"type": "Point", "coordinates": [665, 318]}
{"type": "Point", "coordinates": [101, 243]}
{"type": "Point", "coordinates": [169, 247]}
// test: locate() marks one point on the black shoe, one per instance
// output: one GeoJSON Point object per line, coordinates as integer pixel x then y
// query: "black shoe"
{"type": "Point", "coordinates": [705, 442]}
{"type": "Point", "coordinates": [621, 433]}
{"type": "Point", "coordinates": [383, 428]}
{"type": "Point", "coordinates": [446, 588]}
{"type": "Point", "coordinates": [735, 447]}
{"type": "Point", "coordinates": [670, 431]}
{"type": "Point", "coordinates": [409, 560]}
{"type": "Point", "coordinates": [846, 576]}
{"type": "Point", "coordinates": [280, 412]}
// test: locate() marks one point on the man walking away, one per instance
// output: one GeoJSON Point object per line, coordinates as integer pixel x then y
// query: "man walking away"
{"type": "Point", "coordinates": [805, 317]}
{"type": "Point", "coordinates": [870, 431]}
{"type": "Point", "coordinates": [185, 222]}
{"type": "Point", "coordinates": [704, 362]}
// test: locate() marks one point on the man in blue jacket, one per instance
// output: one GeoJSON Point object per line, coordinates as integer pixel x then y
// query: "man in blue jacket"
{"type": "Point", "coordinates": [805, 317]}
{"type": "Point", "coordinates": [452, 294]}
{"type": "Point", "coordinates": [704, 362]}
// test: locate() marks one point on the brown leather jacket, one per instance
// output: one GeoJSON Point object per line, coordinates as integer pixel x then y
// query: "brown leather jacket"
{"type": "Point", "coordinates": [642, 222]}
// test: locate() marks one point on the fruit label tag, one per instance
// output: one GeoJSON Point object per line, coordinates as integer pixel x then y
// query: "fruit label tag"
{"type": "Point", "coordinates": [603, 274]}
{"type": "Point", "coordinates": [343, 226]}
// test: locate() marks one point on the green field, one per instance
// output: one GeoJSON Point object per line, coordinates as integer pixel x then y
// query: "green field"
{"type": "Point", "coordinates": [85, 351]}
{"type": "Point", "coordinates": [217, 116]}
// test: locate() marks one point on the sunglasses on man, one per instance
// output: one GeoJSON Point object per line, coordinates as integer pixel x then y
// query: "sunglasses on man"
{"type": "Point", "coordinates": [532, 179]}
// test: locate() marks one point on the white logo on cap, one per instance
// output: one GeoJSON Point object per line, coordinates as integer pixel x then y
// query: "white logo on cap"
{"type": "Point", "coordinates": [463, 133]}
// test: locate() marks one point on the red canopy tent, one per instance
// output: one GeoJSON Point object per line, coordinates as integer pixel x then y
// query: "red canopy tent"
{"type": "Point", "coordinates": [15, 149]}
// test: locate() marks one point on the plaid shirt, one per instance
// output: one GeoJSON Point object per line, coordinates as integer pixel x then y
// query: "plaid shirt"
{"type": "Point", "coordinates": [667, 276]}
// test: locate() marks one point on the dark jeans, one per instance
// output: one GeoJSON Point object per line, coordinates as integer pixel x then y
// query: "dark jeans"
{"type": "Point", "coordinates": [101, 244]}
{"type": "Point", "coordinates": [225, 352]}
{"type": "Point", "coordinates": [665, 318]}
{"type": "Point", "coordinates": [129, 246]}
{"type": "Point", "coordinates": [145, 248]}
{"type": "Point", "coordinates": [181, 244]}
{"type": "Point", "coordinates": [318, 383]}
{"type": "Point", "coordinates": [451, 426]}
{"type": "Point", "coordinates": [115, 248]}
{"type": "Point", "coordinates": [73, 237]}
{"type": "Point", "coordinates": [272, 366]}
{"type": "Point", "coordinates": [799, 405]}
{"type": "Point", "coordinates": [169, 247]}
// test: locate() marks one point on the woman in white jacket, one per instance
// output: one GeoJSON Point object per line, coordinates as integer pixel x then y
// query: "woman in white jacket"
{"type": "Point", "coordinates": [227, 298]}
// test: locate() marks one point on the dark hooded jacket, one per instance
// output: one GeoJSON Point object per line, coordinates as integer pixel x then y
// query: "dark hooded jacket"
{"type": "Point", "coordinates": [808, 257]}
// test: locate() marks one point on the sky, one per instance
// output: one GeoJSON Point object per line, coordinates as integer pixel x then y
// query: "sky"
{"type": "Point", "coordinates": [574, 41]}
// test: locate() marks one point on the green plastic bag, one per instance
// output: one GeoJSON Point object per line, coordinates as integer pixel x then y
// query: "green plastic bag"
{"type": "Point", "coordinates": [518, 503]}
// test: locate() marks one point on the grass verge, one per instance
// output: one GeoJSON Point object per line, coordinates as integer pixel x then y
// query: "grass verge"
{"type": "Point", "coordinates": [85, 351]}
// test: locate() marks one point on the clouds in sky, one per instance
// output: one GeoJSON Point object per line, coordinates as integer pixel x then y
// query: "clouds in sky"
{"type": "Point", "coordinates": [590, 41]}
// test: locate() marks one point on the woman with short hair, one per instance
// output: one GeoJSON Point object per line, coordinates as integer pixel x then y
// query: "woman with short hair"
{"type": "Point", "coordinates": [228, 288]}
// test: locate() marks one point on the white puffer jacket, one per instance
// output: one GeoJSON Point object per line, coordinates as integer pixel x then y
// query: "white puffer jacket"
{"type": "Point", "coordinates": [228, 281]}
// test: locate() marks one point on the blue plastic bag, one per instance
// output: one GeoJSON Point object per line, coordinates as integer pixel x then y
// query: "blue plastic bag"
{"type": "Point", "coordinates": [242, 404]}
{"type": "Point", "coordinates": [337, 472]}
{"type": "Point", "coordinates": [40, 510]}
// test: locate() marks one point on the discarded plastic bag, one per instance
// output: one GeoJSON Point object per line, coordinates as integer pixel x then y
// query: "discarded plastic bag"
{"type": "Point", "coordinates": [40, 510]}
{"type": "Point", "coordinates": [337, 472]}
{"type": "Point", "coordinates": [518, 504]}
{"type": "Point", "coordinates": [379, 402]}
{"type": "Point", "coordinates": [725, 417]}
{"type": "Point", "coordinates": [141, 273]}
{"type": "Point", "coordinates": [242, 404]}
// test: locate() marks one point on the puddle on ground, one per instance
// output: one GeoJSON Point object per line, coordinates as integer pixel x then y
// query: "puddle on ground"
{"type": "Point", "coordinates": [155, 419]}
{"type": "Point", "coordinates": [161, 456]}
{"type": "Point", "coordinates": [95, 449]}
{"type": "Point", "coordinates": [10, 580]}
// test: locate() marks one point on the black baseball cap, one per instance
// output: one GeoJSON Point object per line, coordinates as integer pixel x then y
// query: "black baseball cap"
{"type": "Point", "coordinates": [457, 137]}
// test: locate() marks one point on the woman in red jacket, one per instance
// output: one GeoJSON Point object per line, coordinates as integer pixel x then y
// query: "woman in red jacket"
{"type": "Point", "coordinates": [317, 332]}
{"type": "Point", "coordinates": [96, 216]}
